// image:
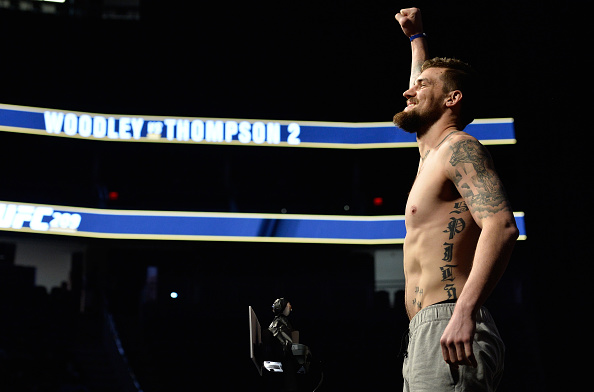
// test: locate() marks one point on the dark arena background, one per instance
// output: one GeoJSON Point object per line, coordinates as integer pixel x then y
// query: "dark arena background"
{"type": "Point", "coordinates": [88, 313]}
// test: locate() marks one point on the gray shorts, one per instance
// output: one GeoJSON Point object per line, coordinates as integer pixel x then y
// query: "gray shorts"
{"type": "Point", "coordinates": [424, 368]}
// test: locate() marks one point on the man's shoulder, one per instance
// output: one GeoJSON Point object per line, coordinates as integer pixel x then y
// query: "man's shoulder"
{"type": "Point", "coordinates": [461, 137]}
{"type": "Point", "coordinates": [461, 147]}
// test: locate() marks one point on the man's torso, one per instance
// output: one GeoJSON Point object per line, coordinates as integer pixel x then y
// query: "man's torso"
{"type": "Point", "coordinates": [441, 236]}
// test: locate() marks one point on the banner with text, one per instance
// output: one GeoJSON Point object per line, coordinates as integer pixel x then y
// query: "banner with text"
{"type": "Point", "coordinates": [204, 131]}
{"type": "Point", "coordinates": [201, 226]}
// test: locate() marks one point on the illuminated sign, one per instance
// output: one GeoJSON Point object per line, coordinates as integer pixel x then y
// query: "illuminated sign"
{"type": "Point", "coordinates": [93, 126]}
{"type": "Point", "coordinates": [37, 218]}
{"type": "Point", "coordinates": [201, 226]}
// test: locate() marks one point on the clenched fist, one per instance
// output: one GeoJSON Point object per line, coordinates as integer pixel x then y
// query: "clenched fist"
{"type": "Point", "coordinates": [410, 21]}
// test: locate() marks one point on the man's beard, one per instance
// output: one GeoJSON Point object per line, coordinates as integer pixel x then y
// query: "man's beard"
{"type": "Point", "coordinates": [414, 122]}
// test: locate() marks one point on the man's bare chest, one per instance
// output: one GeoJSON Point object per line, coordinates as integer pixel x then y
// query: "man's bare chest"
{"type": "Point", "coordinates": [431, 192]}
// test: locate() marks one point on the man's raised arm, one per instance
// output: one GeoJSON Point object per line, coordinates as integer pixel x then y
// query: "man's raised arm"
{"type": "Point", "coordinates": [412, 26]}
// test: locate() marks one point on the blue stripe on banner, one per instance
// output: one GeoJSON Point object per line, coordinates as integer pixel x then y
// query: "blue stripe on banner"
{"type": "Point", "coordinates": [234, 226]}
{"type": "Point", "coordinates": [354, 135]}
{"type": "Point", "coordinates": [21, 119]}
{"type": "Point", "coordinates": [359, 230]}
{"type": "Point", "coordinates": [490, 130]}
{"type": "Point", "coordinates": [87, 222]}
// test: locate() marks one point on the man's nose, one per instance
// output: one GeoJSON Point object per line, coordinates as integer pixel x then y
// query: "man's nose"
{"type": "Point", "coordinates": [409, 93]}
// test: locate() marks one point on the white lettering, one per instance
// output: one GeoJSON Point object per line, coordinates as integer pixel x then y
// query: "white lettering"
{"type": "Point", "coordinates": [231, 129]}
{"type": "Point", "coordinates": [273, 133]}
{"type": "Point", "coordinates": [37, 219]}
{"type": "Point", "coordinates": [14, 216]}
{"type": "Point", "coordinates": [7, 213]}
{"type": "Point", "coordinates": [111, 132]}
{"type": "Point", "coordinates": [24, 214]}
{"type": "Point", "coordinates": [183, 130]}
{"type": "Point", "coordinates": [137, 124]}
{"type": "Point", "coordinates": [214, 131]}
{"type": "Point", "coordinates": [124, 128]}
{"type": "Point", "coordinates": [65, 220]}
{"type": "Point", "coordinates": [259, 132]}
{"type": "Point", "coordinates": [75, 220]}
{"type": "Point", "coordinates": [53, 121]}
{"type": "Point", "coordinates": [294, 131]}
{"type": "Point", "coordinates": [99, 126]}
{"type": "Point", "coordinates": [244, 132]}
{"type": "Point", "coordinates": [197, 130]}
{"type": "Point", "coordinates": [170, 124]}
{"type": "Point", "coordinates": [70, 124]}
{"type": "Point", "coordinates": [85, 125]}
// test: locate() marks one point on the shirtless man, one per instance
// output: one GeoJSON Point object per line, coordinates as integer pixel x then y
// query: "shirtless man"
{"type": "Point", "coordinates": [460, 230]}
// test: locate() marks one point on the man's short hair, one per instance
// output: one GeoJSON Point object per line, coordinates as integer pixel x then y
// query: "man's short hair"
{"type": "Point", "coordinates": [458, 76]}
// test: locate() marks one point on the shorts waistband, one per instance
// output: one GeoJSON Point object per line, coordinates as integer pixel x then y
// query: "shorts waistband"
{"type": "Point", "coordinates": [444, 312]}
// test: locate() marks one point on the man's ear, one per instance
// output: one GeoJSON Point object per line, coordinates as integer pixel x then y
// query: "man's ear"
{"type": "Point", "coordinates": [453, 98]}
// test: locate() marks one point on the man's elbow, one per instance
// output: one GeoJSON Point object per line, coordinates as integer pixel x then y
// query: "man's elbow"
{"type": "Point", "coordinates": [503, 229]}
{"type": "Point", "coordinates": [511, 232]}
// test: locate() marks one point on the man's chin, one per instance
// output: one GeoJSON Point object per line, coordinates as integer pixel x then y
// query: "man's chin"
{"type": "Point", "coordinates": [406, 121]}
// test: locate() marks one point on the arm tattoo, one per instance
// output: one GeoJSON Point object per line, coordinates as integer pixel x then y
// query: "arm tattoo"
{"type": "Point", "coordinates": [475, 179]}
